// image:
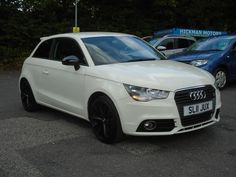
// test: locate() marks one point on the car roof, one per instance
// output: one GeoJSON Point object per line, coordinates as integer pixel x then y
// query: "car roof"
{"type": "Point", "coordinates": [85, 35]}
{"type": "Point", "coordinates": [178, 36]}
{"type": "Point", "coordinates": [175, 36]}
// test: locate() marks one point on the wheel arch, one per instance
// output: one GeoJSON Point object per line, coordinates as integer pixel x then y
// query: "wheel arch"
{"type": "Point", "coordinates": [27, 79]}
{"type": "Point", "coordinates": [223, 66]}
{"type": "Point", "coordinates": [115, 91]}
{"type": "Point", "coordinates": [21, 80]}
{"type": "Point", "coordinates": [98, 93]}
{"type": "Point", "coordinates": [93, 97]}
{"type": "Point", "coordinates": [119, 128]}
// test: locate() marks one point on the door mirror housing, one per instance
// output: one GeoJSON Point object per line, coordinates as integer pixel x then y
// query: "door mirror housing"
{"type": "Point", "coordinates": [161, 48]}
{"type": "Point", "coordinates": [72, 60]}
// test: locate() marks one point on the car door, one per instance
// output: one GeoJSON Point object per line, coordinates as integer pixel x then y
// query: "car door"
{"type": "Point", "coordinates": [169, 45]}
{"type": "Point", "coordinates": [63, 85]}
{"type": "Point", "coordinates": [40, 59]}
{"type": "Point", "coordinates": [232, 61]}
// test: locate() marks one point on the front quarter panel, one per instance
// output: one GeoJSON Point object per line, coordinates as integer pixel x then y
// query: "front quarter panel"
{"type": "Point", "coordinates": [114, 90]}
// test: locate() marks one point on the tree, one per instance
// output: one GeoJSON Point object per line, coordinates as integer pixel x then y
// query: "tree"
{"type": "Point", "coordinates": [23, 22]}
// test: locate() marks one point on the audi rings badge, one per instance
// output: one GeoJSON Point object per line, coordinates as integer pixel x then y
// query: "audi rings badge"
{"type": "Point", "coordinates": [198, 95]}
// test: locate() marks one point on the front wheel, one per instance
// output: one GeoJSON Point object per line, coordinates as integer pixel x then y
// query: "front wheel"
{"type": "Point", "coordinates": [105, 120]}
{"type": "Point", "coordinates": [221, 78]}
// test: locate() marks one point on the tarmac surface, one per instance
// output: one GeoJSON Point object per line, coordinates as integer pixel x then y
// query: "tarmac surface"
{"type": "Point", "coordinates": [53, 144]}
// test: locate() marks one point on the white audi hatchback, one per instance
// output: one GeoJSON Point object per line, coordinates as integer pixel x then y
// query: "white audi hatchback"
{"type": "Point", "coordinates": [120, 84]}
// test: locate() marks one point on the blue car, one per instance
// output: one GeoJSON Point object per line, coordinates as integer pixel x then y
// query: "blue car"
{"type": "Point", "coordinates": [216, 55]}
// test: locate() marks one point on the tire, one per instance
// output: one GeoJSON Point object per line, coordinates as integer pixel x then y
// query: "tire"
{"type": "Point", "coordinates": [105, 120]}
{"type": "Point", "coordinates": [221, 78]}
{"type": "Point", "coordinates": [27, 97]}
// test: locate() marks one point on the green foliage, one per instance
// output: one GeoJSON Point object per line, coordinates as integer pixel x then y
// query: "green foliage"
{"type": "Point", "coordinates": [23, 22]}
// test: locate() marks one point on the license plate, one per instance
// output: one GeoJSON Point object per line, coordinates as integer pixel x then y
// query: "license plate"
{"type": "Point", "coordinates": [198, 108]}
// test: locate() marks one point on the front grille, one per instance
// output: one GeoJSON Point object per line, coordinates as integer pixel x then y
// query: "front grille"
{"type": "Point", "coordinates": [182, 98]}
{"type": "Point", "coordinates": [163, 125]}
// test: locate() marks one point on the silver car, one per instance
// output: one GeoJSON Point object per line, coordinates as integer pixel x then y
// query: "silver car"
{"type": "Point", "coordinates": [171, 44]}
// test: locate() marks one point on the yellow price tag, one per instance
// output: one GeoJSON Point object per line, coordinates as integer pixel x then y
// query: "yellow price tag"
{"type": "Point", "coordinates": [76, 29]}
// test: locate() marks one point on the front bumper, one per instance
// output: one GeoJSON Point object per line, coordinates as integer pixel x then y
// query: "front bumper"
{"type": "Point", "coordinates": [133, 113]}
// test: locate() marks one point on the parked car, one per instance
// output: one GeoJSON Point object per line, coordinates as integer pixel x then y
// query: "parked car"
{"type": "Point", "coordinates": [120, 84]}
{"type": "Point", "coordinates": [216, 55]}
{"type": "Point", "coordinates": [171, 44]}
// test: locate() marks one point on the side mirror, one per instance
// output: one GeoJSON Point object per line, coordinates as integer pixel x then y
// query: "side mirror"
{"type": "Point", "coordinates": [71, 60]}
{"type": "Point", "coordinates": [161, 48]}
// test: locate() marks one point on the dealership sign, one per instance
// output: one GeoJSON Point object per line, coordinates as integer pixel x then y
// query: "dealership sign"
{"type": "Point", "coordinates": [190, 32]}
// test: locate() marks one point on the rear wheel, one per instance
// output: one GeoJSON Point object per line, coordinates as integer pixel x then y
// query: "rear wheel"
{"type": "Point", "coordinates": [105, 120]}
{"type": "Point", "coordinates": [221, 78]}
{"type": "Point", "coordinates": [27, 97]}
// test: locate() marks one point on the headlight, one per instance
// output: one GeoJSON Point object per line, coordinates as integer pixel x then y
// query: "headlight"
{"type": "Point", "coordinates": [145, 94]}
{"type": "Point", "coordinates": [199, 62]}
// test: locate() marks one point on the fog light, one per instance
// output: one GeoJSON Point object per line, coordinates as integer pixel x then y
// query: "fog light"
{"type": "Point", "coordinates": [150, 125]}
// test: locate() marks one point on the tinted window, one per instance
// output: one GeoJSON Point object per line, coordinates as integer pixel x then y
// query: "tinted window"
{"type": "Point", "coordinates": [184, 43]}
{"type": "Point", "coordinates": [153, 41]}
{"type": "Point", "coordinates": [191, 42]}
{"type": "Point", "coordinates": [65, 47]}
{"type": "Point", "coordinates": [119, 49]}
{"type": "Point", "coordinates": [43, 51]}
{"type": "Point", "coordinates": [168, 43]}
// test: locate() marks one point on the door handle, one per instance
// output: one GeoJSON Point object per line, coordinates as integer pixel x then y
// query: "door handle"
{"type": "Point", "coordinates": [45, 72]}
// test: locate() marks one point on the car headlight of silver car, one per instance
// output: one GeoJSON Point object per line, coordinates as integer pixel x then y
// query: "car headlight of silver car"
{"type": "Point", "coordinates": [199, 62]}
{"type": "Point", "coordinates": [145, 94]}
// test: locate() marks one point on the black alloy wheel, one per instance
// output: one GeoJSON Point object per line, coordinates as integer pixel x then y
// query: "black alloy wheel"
{"type": "Point", "coordinates": [105, 120]}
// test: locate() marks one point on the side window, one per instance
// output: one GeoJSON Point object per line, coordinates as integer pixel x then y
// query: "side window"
{"type": "Point", "coordinates": [168, 43]}
{"type": "Point", "coordinates": [191, 42]}
{"type": "Point", "coordinates": [65, 47]}
{"type": "Point", "coordinates": [43, 51]}
{"type": "Point", "coordinates": [183, 43]}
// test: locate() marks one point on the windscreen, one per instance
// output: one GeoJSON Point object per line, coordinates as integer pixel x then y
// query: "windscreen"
{"type": "Point", "coordinates": [218, 44]}
{"type": "Point", "coordinates": [119, 49]}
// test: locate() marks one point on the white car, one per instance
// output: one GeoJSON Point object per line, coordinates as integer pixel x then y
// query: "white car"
{"type": "Point", "coordinates": [118, 83]}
